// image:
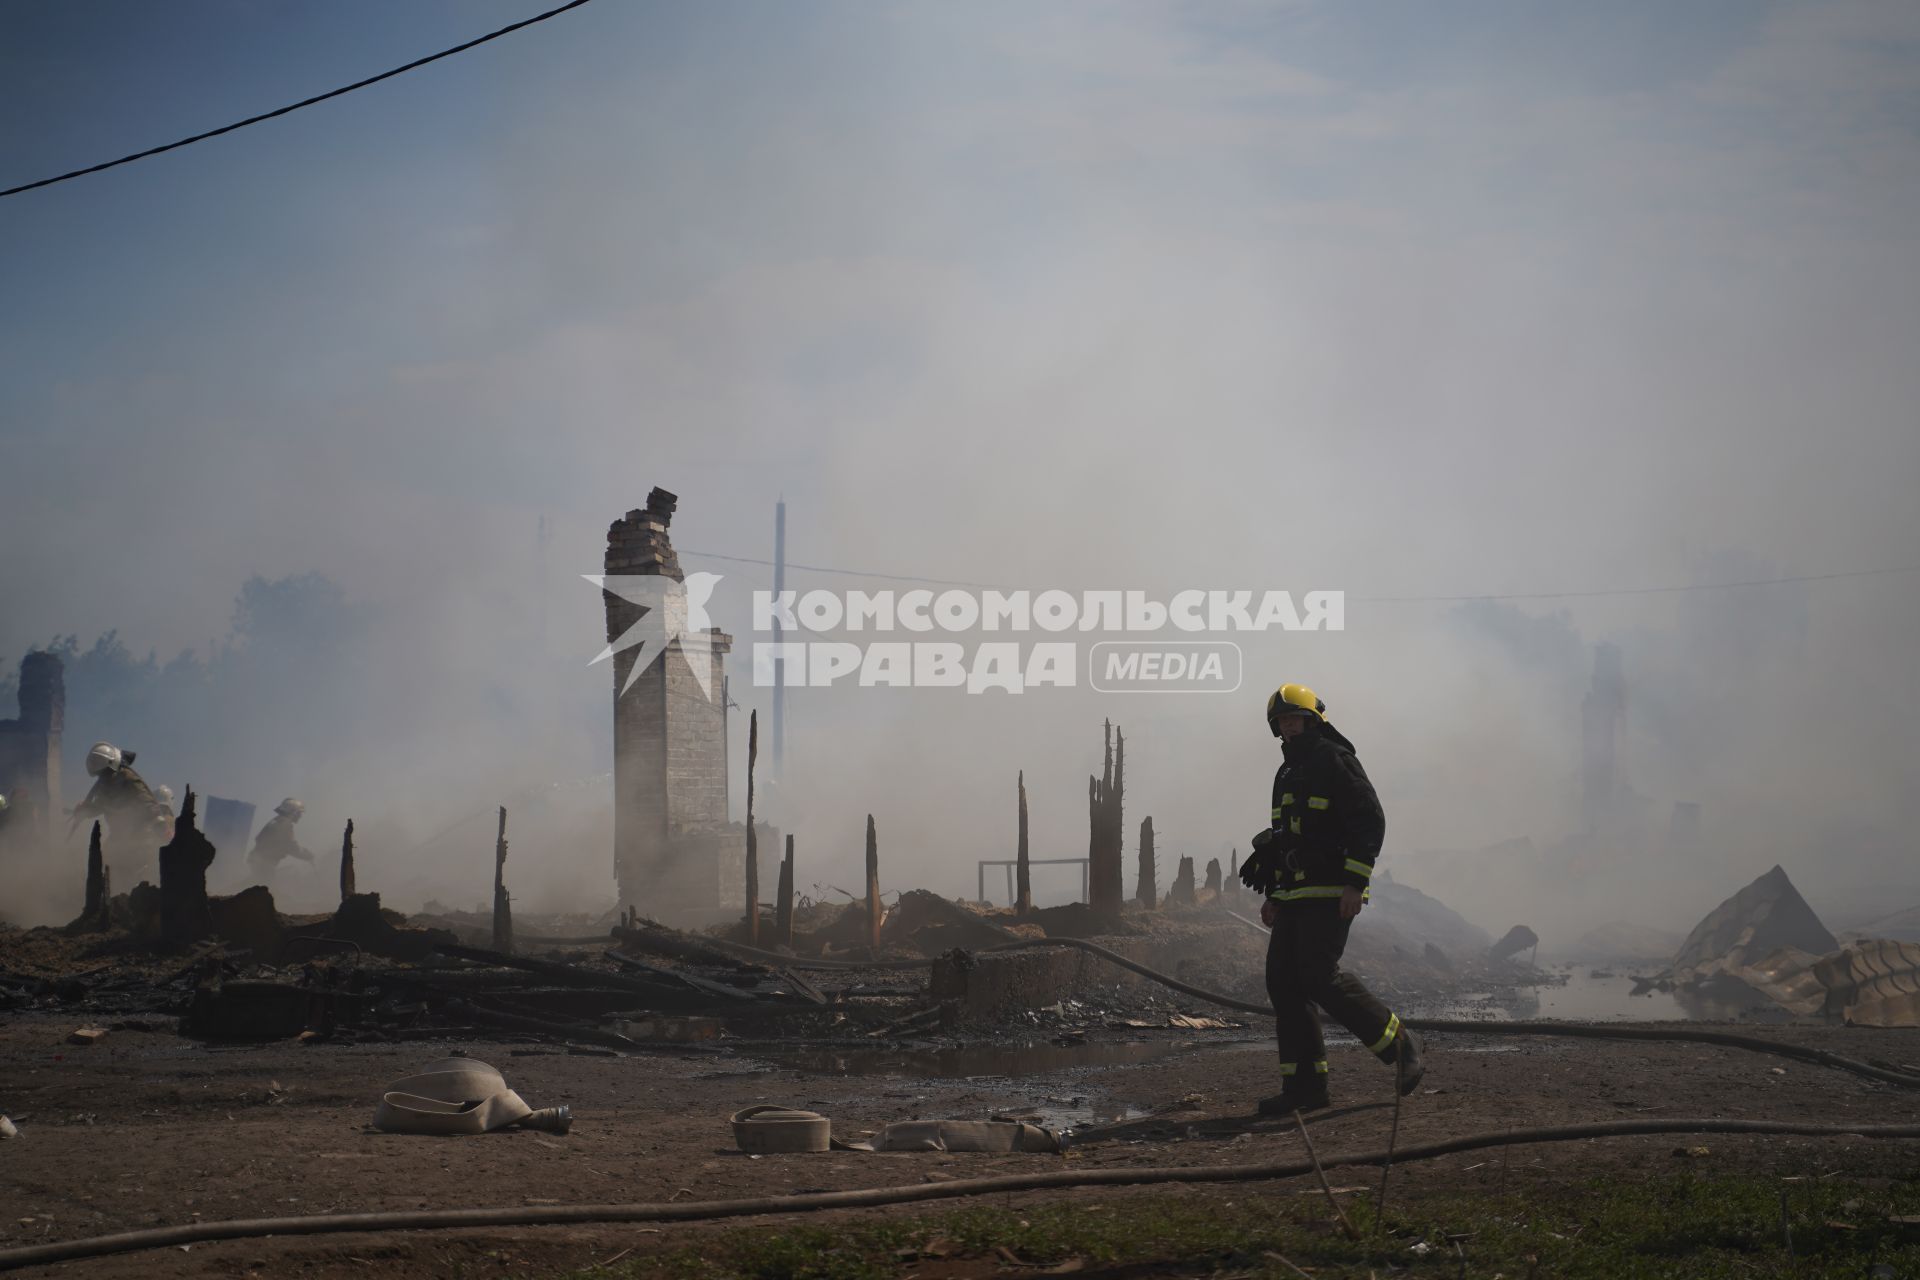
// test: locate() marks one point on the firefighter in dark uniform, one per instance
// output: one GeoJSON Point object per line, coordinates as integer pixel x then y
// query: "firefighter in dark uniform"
{"type": "Point", "coordinates": [1313, 864]}
{"type": "Point", "coordinates": [136, 820]}
{"type": "Point", "coordinates": [275, 843]}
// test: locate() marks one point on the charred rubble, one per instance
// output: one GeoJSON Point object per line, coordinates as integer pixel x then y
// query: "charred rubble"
{"type": "Point", "coordinates": [901, 964]}
{"type": "Point", "coordinates": [884, 962]}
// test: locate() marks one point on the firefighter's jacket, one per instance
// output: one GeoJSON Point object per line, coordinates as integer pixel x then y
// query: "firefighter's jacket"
{"type": "Point", "coordinates": [1327, 821]}
{"type": "Point", "coordinates": [122, 797]}
{"type": "Point", "coordinates": [275, 843]}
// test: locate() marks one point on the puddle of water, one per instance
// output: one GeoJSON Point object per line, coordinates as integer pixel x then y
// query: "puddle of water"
{"type": "Point", "coordinates": [1589, 999]}
{"type": "Point", "coordinates": [1585, 998]}
{"type": "Point", "coordinates": [1070, 1114]}
{"type": "Point", "coordinates": [970, 1061]}
{"type": "Point", "coordinates": [973, 1062]}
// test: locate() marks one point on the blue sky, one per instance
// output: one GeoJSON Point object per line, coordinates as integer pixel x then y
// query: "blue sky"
{"type": "Point", "coordinates": [1511, 296]}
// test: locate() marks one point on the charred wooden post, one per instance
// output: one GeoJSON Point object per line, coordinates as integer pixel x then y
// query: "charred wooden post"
{"type": "Point", "coordinates": [1181, 895]}
{"type": "Point", "coordinates": [783, 909]}
{"type": "Point", "coordinates": [185, 915]}
{"type": "Point", "coordinates": [873, 884]}
{"type": "Point", "coordinates": [346, 862]}
{"type": "Point", "coordinates": [502, 900]}
{"type": "Point", "coordinates": [753, 845]}
{"type": "Point", "coordinates": [96, 909]}
{"type": "Point", "coordinates": [1146, 888]}
{"type": "Point", "coordinates": [97, 915]}
{"type": "Point", "coordinates": [1023, 894]}
{"type": "Point", "coordinates": [1213, 875]}
{"type": "Point", "coordinates": [1093, 831]}
{"type": "Point", "coordinates": [1105, 804]}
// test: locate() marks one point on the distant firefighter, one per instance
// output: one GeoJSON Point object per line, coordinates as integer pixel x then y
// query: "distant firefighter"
{"type": "Point", "coordinates": [134, 816]}
{"type": "Point", "coordinates": [17, 817]}
{"type": "Point", "coordinates": [275, 843]}
{"type": "Point", "coordinates": [164, 794]}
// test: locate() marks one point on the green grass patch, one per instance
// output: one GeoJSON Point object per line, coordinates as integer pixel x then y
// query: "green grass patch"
{"type": "Point", "coordinates": [1609, 1229]}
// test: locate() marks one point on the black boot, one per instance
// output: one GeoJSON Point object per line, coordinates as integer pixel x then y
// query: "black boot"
{"type": "Point", "coordinates": [1408, 1067]}
{"type": "Point", "coordinates": [1295, 1096]}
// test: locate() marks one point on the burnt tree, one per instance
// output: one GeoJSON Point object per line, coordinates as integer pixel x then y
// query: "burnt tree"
{"type": "Point", "coordinates": [184, 912]}
{"type": "Point", "coordinates": [1105, 803]}
{"type": "Point", "coordinates": [97, 892]}
{"type": "Point", "coordinates": [96, 915]}
{"type": "Point", "coordinates": [1146, 890]}
{"type": "Point", "coordinates": [873, 884]}
{"type": "Point", "coordinates": [1181, 895]}
{"type": "Point", "coordinates": [502, 900]}
{"type": "Point", "coordinates": [783, 908]}
{"type": "Point", "coordinates": [1023, 896]}
{"type": "Point", "coordinates": [753, 844]}
{"type": "Point", "coordinates": [346, 862]}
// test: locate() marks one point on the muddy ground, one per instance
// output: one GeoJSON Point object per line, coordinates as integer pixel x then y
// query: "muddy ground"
{"type": "Point", "coordinates": [145, 1128]}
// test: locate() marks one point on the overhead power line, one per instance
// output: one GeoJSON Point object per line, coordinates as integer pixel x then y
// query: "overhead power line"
{"type": "Point", "coordinates": [287, 110]}
{"type": "Point", "coordinates": [852, 573]}
{"type": "Point", "coordinates": [1644, 591]}
{"type": "Point", "coordinates": [1411, 599]}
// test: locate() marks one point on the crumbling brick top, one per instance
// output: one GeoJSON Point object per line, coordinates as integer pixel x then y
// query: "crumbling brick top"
{"type": "Point", "coordinates": [638, 542]}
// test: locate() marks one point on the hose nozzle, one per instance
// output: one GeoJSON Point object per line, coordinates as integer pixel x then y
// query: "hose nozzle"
{"type": "Point", "coordinates": [549, 1119]}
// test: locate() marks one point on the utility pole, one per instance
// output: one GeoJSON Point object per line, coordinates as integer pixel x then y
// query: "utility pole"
{"type": "Point", "coordinates": [753, 846]}
{"type": "Point", "coordinates": [779, 668]}
{"type": "Point", "coordinates": [542, 539]}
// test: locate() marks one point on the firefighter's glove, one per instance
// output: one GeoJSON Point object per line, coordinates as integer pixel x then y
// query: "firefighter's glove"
{"type": "Point", "coordinates": [1262, 866]}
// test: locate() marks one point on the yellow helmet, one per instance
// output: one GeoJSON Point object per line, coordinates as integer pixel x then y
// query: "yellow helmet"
{"type": "Point", "coordinates": [1293, 699]}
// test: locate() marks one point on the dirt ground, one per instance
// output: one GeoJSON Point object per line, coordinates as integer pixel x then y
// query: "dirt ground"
{"type": "Point", "coordinates": [146, 1129]}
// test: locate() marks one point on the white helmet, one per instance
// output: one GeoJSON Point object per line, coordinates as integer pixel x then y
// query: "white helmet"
{"type": "Point", "coordinates": [290, 807]}
{"type": "Point", "coordinates": [101, 757]}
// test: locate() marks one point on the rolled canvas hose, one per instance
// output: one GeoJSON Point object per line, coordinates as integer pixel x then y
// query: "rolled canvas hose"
{"type": "Point", "coordinates": [460, 1096]}
{"type": "Point", "coordinates": [766, 1129]}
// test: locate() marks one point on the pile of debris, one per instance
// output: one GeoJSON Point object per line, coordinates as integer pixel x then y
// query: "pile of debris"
{"type": "Point", "coordinates": [1766, 939]}
{"type": "Point", "coordinates": [653, 985]}
{"type": "Point", "coordinates": [234, 967]}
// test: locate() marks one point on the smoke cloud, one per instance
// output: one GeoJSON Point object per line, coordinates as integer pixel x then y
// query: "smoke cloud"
{"type": "Point", "coordinates": [1402, 302]}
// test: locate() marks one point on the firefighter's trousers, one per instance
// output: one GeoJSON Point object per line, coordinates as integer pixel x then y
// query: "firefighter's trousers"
{"type": "Point", "coordinates": [1303, 970]}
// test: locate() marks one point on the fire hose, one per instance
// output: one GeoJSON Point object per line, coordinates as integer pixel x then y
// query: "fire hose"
{"type": "Point", "coordinates": [1578, 1030]}
{"type": "Point", "coordinates": [688, 1211]}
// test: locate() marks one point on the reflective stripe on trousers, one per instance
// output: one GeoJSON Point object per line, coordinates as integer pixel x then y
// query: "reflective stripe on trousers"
{"type": "Point", "coordinates": [1393, 1029]}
